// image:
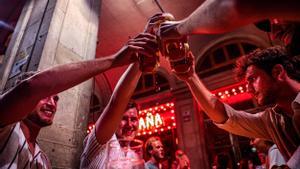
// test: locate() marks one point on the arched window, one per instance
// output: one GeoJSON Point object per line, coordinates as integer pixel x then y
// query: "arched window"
{"type": "Point", "coordinates": [222, 56]}
{"type": "Point", "coordinates": [149, 84]}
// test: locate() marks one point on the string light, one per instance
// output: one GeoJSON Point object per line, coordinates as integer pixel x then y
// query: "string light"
{"type": "Point", "coordinates": [231, 91]}
{"type": "Point", "coordinates": [159, 118]}
{"type": "Point", "coordinates": [154, 119]}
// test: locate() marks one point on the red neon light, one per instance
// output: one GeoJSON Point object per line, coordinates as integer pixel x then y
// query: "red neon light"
{"type": "Point", "coordinates": [154, 119]}
{"type": "Point", "coordinates": [157, 119]}
{"type": "Point", "coordinates": [233, 93]}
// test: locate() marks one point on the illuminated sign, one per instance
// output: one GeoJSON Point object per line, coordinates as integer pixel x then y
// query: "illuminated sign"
{"type": "Point", "coordinates": [156, 119]}
{"type": "Point", "coordinates": [150, 121]}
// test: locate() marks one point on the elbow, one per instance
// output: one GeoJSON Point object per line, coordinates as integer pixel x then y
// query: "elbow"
{"type": "Point", "coordinates": [219, 114]}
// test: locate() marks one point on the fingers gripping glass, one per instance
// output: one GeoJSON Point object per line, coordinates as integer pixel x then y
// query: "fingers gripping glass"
{"type": "Point", "coordinates": [177, 52]}
{"type": "Point", "coordinates": [125, 154]}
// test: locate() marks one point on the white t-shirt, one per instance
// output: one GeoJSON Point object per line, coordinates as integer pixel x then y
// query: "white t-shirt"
{"type": "Point", "coordinates": [275, 157]}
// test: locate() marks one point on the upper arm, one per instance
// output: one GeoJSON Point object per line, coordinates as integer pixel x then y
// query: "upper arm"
{"type": "Point", "coordinates": [17, 103]}
{"type": "Point", "coordinates": [245, 124]}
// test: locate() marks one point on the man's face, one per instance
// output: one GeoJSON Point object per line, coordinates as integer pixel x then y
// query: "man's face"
{"type": "Point", "coordinates": [157, 150]}
{"type": "Point", "coordinates": [129, 124]}
{"type": "Point", "coordinates": [44, 111]}
{"type": "Point", "coordinates": [261, 85]}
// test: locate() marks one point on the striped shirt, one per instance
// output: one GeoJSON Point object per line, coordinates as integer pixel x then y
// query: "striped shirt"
{"type": "Point", "coordinates": [15, 153]}
{"type": "Point", "coordinates": [271, 124]}
{"type": "Point", "coordinates": [94, 154]}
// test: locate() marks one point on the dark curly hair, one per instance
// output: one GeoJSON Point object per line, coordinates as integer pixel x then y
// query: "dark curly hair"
{"type": "Point", "coordinates": [265, 59]}
{"type": "Point", "coordinates": [132, 104]}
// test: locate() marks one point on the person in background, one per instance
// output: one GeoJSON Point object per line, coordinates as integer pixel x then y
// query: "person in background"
{"type": "Point", "coordinates": [268, 153]}
{"type": "Point", "coordinates": [154, 149]}
{"type": "Point", "coordinates": [181, 160]}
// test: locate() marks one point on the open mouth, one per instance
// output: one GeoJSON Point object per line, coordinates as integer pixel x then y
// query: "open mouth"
{"type": "Point", "coordinates": [49, 112]}
{"type": "Point", "coordinates": [128, 133]}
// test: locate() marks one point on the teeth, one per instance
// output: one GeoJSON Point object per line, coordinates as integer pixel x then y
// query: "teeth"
{"type": "Point", "coordinates": [48, 113]}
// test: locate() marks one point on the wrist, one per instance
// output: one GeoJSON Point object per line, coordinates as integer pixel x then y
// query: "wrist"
{"type": "Point", "coordinates": [113, 60]}
{"type": "Point", "coordinates": [191, 78]}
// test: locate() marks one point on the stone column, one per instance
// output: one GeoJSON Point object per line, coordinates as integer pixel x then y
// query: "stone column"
{"type": "Point", "coordinates": [190, 127]}
{"type": "Point", "coordinates": [72, 37]}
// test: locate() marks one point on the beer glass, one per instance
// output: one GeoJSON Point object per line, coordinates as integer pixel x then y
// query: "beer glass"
{"type": "Point", "coordinates": [125, 154]}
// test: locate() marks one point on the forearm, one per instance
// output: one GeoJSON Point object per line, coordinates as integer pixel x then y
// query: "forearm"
{"type": "Point", "coordinates": [20, 101]}
{"type": "Point", "coordinates": [219, 16]}
{"type": "Point", "coordinates": [62, 77]}
{"type": "Point", "coordinates": [213, 16]}
{"type": "Point", "coordinates": [209, 103]}
{"type": "Point", "coordinates": [107, 124]}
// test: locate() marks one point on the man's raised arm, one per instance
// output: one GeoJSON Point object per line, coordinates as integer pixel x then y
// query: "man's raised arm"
{"type": "Point", "coordinates": [219, 16]}
{"type": "Point", "coordinates": [19, 101]}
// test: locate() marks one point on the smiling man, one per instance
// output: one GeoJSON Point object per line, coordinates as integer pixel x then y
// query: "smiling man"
{"type": "Point", "coordinates": [18, 140]}
{"type": "Point", "coordinates": [31, 104]}
{"type": "Point", "coordinates": [119, 117]}
{"type": "Point", "coordinates": [129, 124]}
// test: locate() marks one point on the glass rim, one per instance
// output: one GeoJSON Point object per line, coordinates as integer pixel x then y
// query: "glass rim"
{"type": "Point", "coordinates": [139, 145]}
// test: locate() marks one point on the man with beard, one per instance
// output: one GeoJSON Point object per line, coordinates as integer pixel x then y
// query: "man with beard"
{"type": "Point", "coordinates": [272, 76]}
{"type": "Point", "coordinates": [155, 151]}
{"type": "Point", "coordinates": [31, 105]}
{"type": "Point", "coordinates": [219, 16]}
